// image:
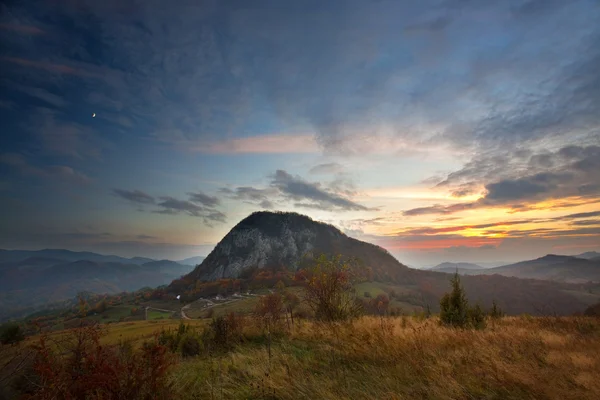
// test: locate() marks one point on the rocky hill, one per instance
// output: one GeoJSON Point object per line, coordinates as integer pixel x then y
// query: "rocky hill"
{"type": "Point", "coordinates": [279, 240]}
{"type": "Point", "coordinates": [276, 239]}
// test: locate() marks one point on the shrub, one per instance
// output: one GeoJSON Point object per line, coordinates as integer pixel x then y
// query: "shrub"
{"type": "Point", "coordinates": [592, 311]}
{"type": "Point", "coordinates": [183, 340]}
{"type": "Point", "coordinates": [189, 345]}
{"type": "Point", "coordinates": [477, 317]}
{"type": "Point", "coordinates": [495, 311]}
{"type": "Point", "coordinates": [81, 368]}
{"type": "Point", "coordinates": [269, 308]}
{"type": "Point", "coordinates": [11, 334]}
{"type": "Point", "coordinates": [223, 333]}
{"type": "Point", "coordinates": [329, 289]}
{"type": "Point", "coordinates": [367, 295]}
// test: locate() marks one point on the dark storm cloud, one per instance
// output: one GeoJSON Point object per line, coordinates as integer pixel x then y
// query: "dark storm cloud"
{"type": "Point", "coordinates": [135, 196]}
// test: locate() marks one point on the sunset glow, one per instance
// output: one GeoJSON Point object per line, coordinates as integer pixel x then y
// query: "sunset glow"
{"type": "Point", "coordinates": [442, 133]}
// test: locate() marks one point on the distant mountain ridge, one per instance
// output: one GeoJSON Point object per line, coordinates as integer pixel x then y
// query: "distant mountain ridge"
{"type": "Point", "coordinates": [32, 278]}
{"type": "Point", "coordinates": [67, 255]}
{"type": "Point", "coordinates": [452, 267]}
{"type": "Point", "coordinates": [552, 267]}
{"type": "Point", "coordinates": [589, 255]}
{"type": "Point", "coordinates": [193, 261]}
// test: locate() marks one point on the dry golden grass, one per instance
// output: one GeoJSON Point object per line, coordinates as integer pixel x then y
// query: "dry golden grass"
{"type": "Point", "coordinates": [404, 358]}
{"type": "Point", "coordinates": [391, 358]}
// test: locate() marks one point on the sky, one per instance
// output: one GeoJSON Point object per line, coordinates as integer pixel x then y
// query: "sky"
{"type": "Point", "coordinates": [442, 130]}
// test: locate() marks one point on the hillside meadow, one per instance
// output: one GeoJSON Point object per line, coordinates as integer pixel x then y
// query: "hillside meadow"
{"type": "Point", "coordinates": [380, 357]}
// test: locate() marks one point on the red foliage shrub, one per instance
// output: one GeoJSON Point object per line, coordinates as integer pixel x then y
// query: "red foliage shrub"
{"type": "Point", "coordinates": [79, 367]}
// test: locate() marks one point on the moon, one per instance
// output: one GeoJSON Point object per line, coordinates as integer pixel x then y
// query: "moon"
{"type": "Point", "coordinates": [93, 115]}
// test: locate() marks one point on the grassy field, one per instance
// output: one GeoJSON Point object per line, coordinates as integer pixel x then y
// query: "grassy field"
{"type": "Point", "coordinates": [112, 314]}
{"type": "Point", "coordinates": [407, 358]}
{"type": "Point", "coordinates": [388, 358]}
{"type": "Point", "coordinates": [156, 314]}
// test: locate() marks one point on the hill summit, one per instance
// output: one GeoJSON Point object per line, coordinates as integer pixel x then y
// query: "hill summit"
{"type": "Point", "coordinates": [284, 239]}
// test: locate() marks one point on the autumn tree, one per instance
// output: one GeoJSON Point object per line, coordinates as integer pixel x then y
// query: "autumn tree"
{"type": "Point", "coordinates": [329, 288]}
{"type": "Point", "coordinates": [381, 304]}
{"type": "Point", "coordinates": [269, 309]}
{"type": "Point", "coordinates": [82, 306]}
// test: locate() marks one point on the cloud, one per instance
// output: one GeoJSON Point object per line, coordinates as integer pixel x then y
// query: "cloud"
{"type": "Point", "coordinates": [171, 205]}
{"type": "Point", "coordinates": [295, 188]}
{"type": "Point", "coordinates": [518, 180]}
{"type": "Point", "coordinates": [264, 144]}
{"type": "Point", "coordinates": [51, 67]}
{"type": "Point", "coordinates": [267, 204]}
{"type": "Point", "coordinates": [434, 25]}
{"type": "Point", "coordinates": [55, 172]}
{"type": "Point", "coordinates": [439, 209]}
{"type": "Point", "coordinates": [134, 196]}
{"type": "Point", "coordinates": [328, 168]}
{"type": "Point", "coordinates": [206, 200]}
{"type": "Point", "coordinates": [262, 197]}
{"type": "Point", "coordinates": [145, 237]}
{"type": "Point", "coordinates": [284, 187]}
{"type": "Point", "coordinates": [41, 94]}
{"type": "Point", "coordinates": [514, 190]}
{"type": "Point", "coordinates": [215, 216]}
{"type": "Point", "coordinates": [578, 215]}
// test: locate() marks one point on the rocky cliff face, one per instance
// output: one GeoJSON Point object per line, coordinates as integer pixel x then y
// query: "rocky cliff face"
{"type": "Point", "coordinates": [267, 239]}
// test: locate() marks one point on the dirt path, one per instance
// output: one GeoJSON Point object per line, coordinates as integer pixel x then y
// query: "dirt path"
{"type": "Point", "coordinates": [183, 314]}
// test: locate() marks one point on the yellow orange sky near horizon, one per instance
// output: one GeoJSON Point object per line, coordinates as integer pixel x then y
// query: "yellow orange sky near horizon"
{"type": "Point", "coordinates": [463, 228]}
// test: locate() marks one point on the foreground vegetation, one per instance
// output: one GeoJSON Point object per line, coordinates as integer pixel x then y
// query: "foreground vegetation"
{"type": "Point", "coordinates": [326, 350]}
{"type": "Point", "coordinates": [384, 358]}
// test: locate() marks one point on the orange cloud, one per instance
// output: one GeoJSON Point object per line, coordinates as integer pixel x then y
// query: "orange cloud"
{"type": "Point", "coordinates": [269, 144]}
{"type": "Point", "coordinates": [392, 244]}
